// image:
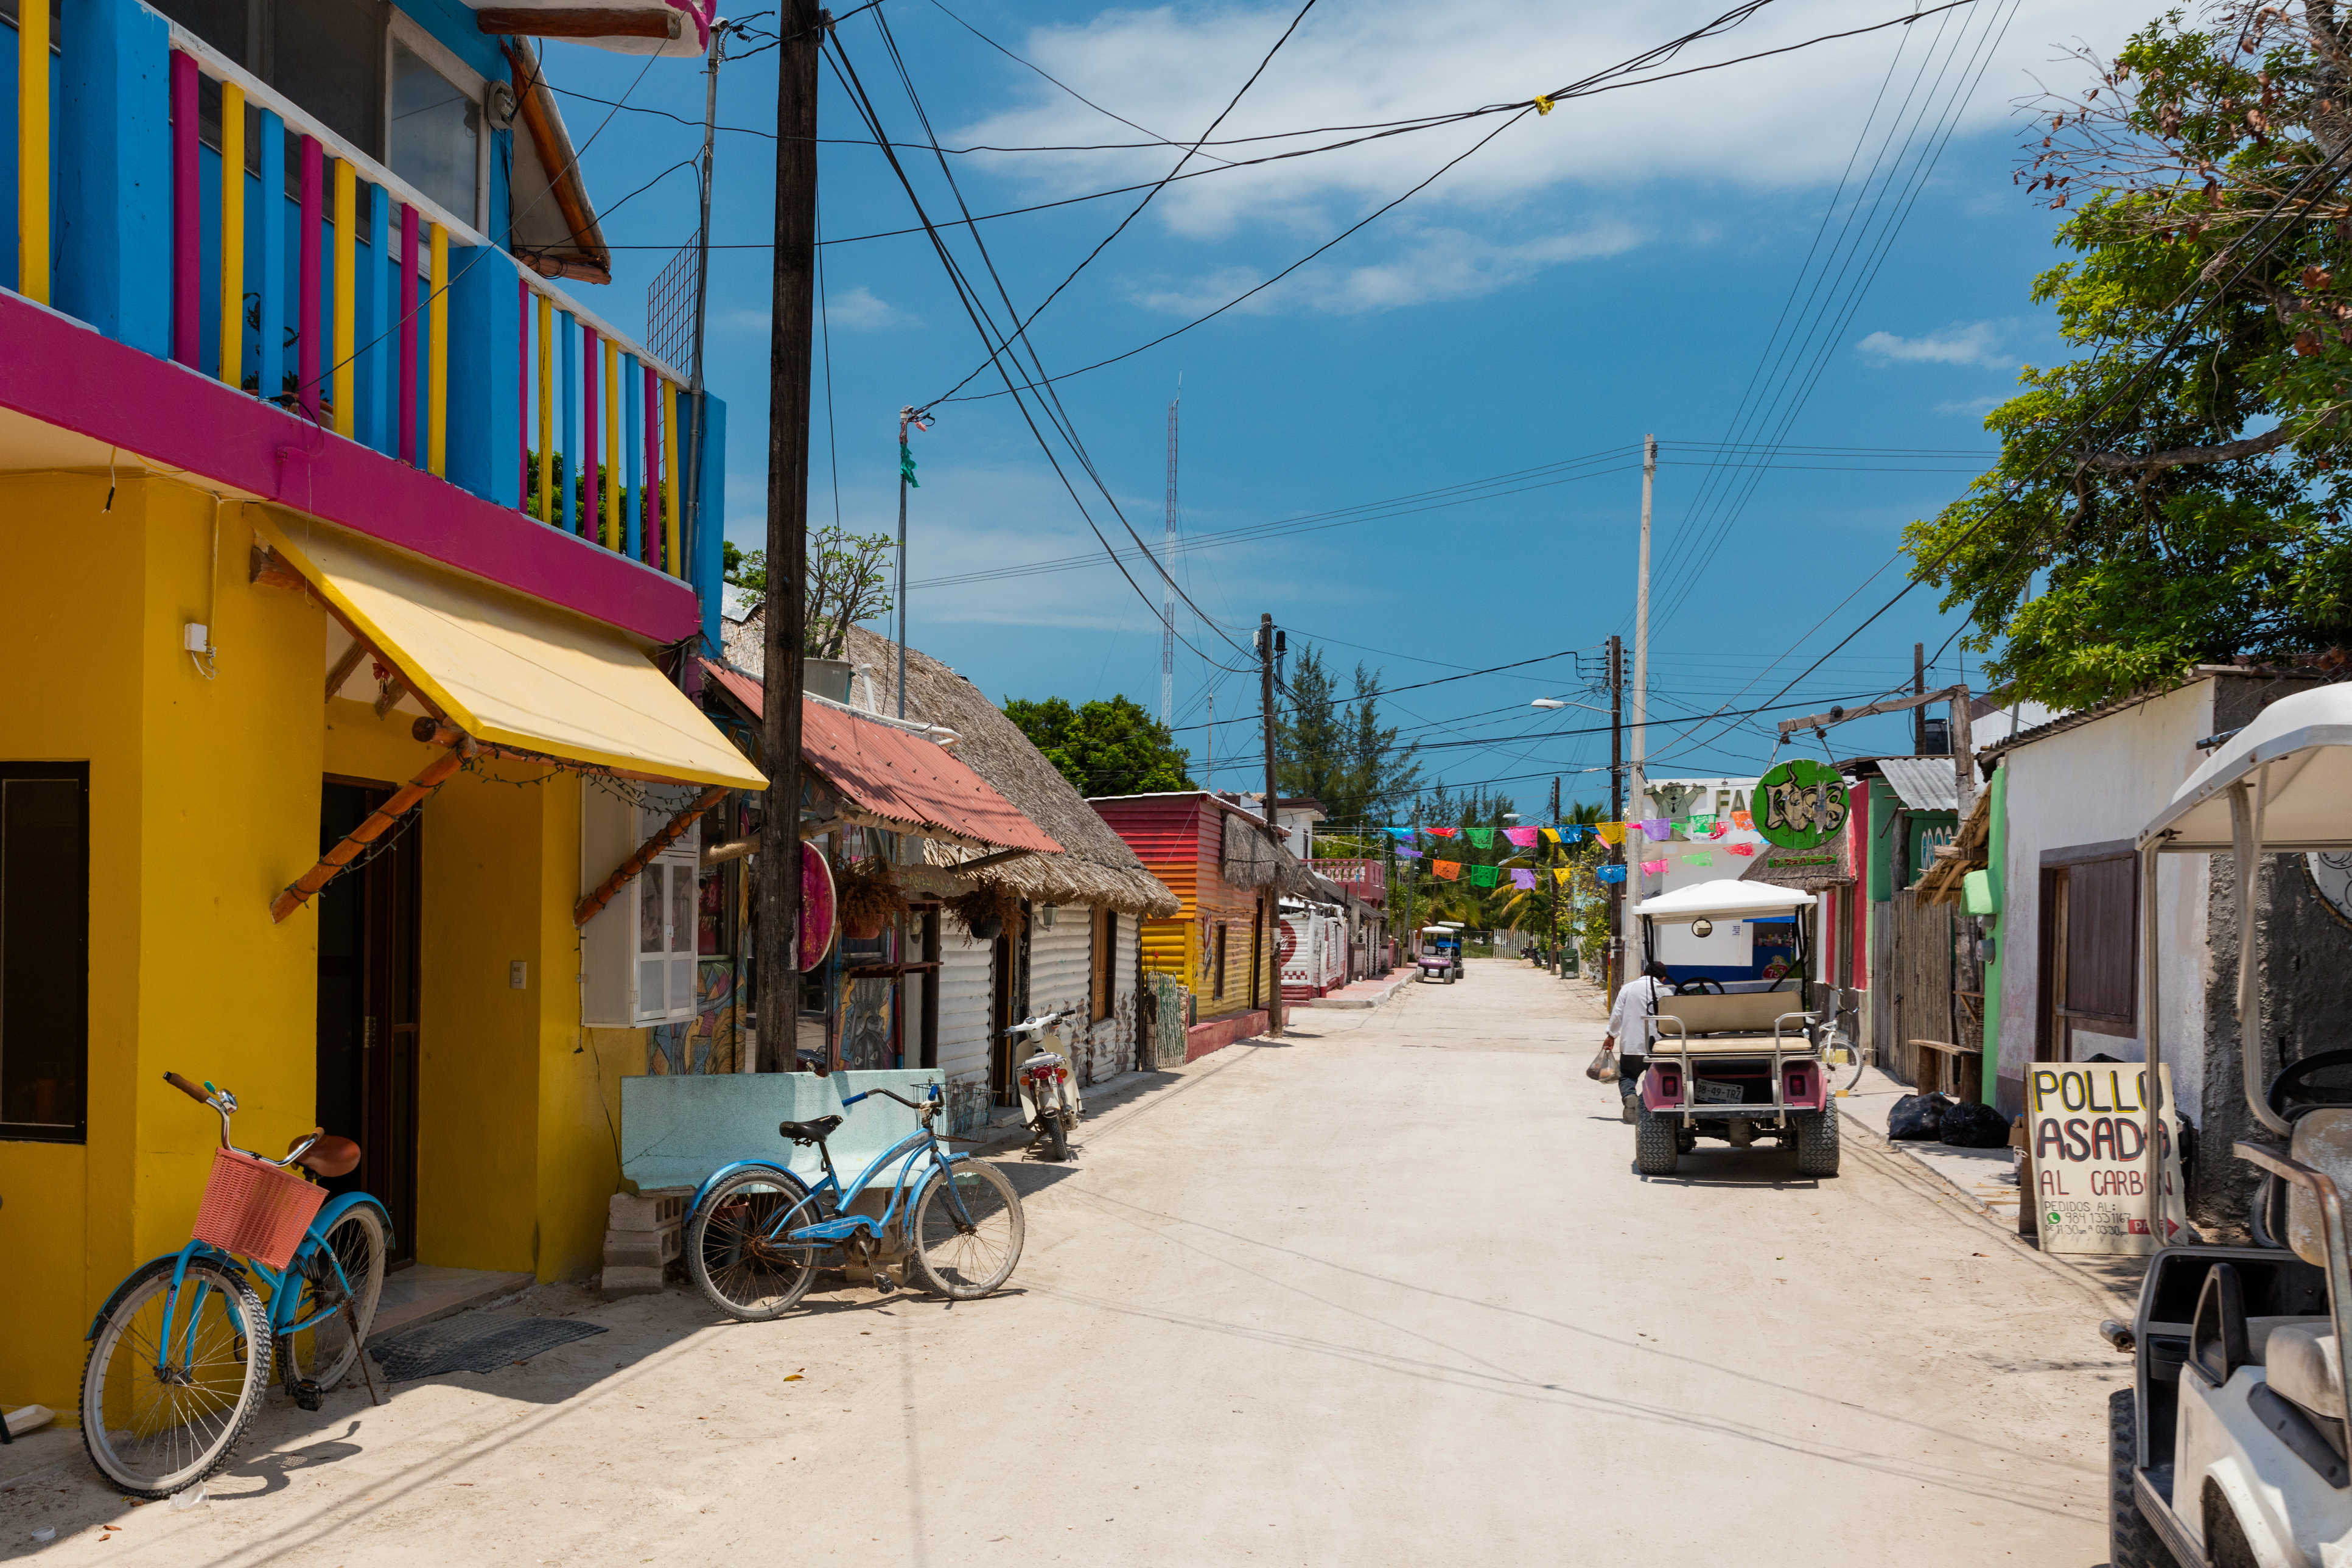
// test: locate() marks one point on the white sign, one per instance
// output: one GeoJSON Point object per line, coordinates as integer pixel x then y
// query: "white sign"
{"type": "Point", "coordinates": [2086, 1130]}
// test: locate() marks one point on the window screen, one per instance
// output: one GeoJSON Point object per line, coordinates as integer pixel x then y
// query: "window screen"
{"type": "Point", "coordinates": [43, 950]}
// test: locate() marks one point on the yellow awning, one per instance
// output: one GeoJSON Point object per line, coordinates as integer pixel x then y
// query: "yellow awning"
{"type": "Point", "coordinates": [511, 670]}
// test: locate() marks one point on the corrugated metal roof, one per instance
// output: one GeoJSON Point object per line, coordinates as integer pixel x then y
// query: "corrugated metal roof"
{"type": "Point", "coordinates": [899, 777]}
{"type": "Point", "coordinates": [1923, 784]}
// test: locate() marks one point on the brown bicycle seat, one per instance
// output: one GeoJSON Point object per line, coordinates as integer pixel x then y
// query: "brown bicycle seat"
{"type": "Point", "coordinates": [329, 1156]}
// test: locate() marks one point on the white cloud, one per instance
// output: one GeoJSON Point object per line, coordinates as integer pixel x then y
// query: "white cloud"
{"type": "Point", "coordinates": [859, 310]}
{"type": "Point", "coordinates": [1425, 264]}
{"type": "Point", "coordinates": [1782, 123]}
{"type": "Point", "coordinates": [1962, 342]}
{"type": "Point", "coordinates": [852, 309]}
{"type": "Point", "coordinates": [1975, 407]}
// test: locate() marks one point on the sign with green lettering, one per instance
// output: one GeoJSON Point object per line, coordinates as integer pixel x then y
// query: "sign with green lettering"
{"type": "Point", "coordinates": [2086, 1129]}
{"type": "Point", "coordinates": [1799, 803]}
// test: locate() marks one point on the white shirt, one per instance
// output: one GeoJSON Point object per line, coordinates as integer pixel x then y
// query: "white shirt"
{"type": "Point", "coordinates": [1633, 1018]}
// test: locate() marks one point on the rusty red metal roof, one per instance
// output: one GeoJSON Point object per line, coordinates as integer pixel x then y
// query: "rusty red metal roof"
{"type": "Point", "coordinates": [904, 780]}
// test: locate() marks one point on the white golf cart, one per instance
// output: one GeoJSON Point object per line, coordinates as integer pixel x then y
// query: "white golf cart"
{"type": "Point", "coordinates": [1441, 953]}
{"type": "Point", "coordinates": [2228, 1447]}
{"type": "Point", "coordinates": [1735, 1059]}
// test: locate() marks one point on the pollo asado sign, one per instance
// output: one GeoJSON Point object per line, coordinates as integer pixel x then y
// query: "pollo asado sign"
{"type": "Point", "coordinates": [2086, 1129]}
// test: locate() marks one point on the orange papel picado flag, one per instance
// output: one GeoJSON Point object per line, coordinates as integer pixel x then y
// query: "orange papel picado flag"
{"type": "Point", "coordinates": [1447, 870]}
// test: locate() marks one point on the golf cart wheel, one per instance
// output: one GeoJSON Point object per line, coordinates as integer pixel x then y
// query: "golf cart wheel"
{"type": "Point", "coordinates": [2131, 1544]}
{"type": "Point", "coordinates": [1656, 1147]}
{"type": "Point", "coordinates": [1817, 1142]}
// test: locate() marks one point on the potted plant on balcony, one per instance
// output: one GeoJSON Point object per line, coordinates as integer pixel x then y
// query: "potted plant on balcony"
{"type": "Point", "coordinates": [869, 896]}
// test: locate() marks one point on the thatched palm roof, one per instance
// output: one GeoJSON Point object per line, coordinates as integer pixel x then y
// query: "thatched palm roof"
{"type": "Point", "coordinates": [1096, 867]}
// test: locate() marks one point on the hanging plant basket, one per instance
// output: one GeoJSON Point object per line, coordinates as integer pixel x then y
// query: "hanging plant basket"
{"type": "Point", "coordinates": [870, 897]}
{"type": "Point", "coordinates": [990, 911]}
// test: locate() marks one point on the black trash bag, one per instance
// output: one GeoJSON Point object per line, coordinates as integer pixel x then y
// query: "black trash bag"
{"type": "Point", "coordinates": [1917, 1118]}
{"type": "Point", "coordinates": [1969, 1126]}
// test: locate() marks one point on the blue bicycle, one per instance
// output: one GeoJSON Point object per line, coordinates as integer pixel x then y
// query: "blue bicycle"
{"type": "Point", "coordinates": [755, 1229]}
{"type": "Point", "coordinates": [182, 1352]}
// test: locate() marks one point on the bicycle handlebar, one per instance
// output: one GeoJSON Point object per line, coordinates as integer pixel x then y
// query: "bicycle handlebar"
{"type": "Point", "coordinates": [185, 1087]}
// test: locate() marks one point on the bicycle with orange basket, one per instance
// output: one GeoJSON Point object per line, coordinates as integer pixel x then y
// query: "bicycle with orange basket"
{"type": "Point", "coordinates": [182, 1352]}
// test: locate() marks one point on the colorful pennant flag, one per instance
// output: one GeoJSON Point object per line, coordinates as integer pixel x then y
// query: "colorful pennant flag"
{"type": "Point", "coordinates": [1480, 837]}
{"type": "Point", "coordinates": [1718, 830]}
{"type": "Point", "coordinates": [1610, 873]}
{"type": "Point", "coordinates": [1525, 837]}
{"type": "Point", "coordinates": [1400, 833]}
{"type": "Point", "coordinates": [1481, 876]}
{"type": "Point", "coordinates": [1609, 832]}
{"type": "Point", "coordinates": [1742, 821]}
{"type": "Point", "coordinates": [1523, 879]}
{"type": "Point", "coordinates": [1405, 852]}
{"type": "Point", "coordinates": [1447, 870]}
{"type": "Point", "coordinates": [1658, 829]}
{"type": "Point", "coordinates": [1439, 832]}
{"type": "Point", "coordinates": [1560, 874]}
{"type": "Point", "coordinates": [1551, 835]}
{"type": "Point", "coordinates": [1741, 848]}
{"type": "Point", "coordinates": [1574, 833]}
{"type": "Point", "coordinates": [1653, 867]}
{"type": "Point", "coordinates": [1699, 859]}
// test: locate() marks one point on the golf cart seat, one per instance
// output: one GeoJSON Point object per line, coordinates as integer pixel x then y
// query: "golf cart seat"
{"type": "Point", "coordinates": [2301, 1362]}
{"type": "Point", "coordinates": [1751, 1013]}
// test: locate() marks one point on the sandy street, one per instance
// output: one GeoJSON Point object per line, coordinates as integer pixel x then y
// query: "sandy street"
{"type": "Point", "coordinates": [1387, 1291]}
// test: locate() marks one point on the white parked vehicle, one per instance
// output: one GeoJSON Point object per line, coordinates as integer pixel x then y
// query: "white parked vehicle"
{"type": "Point", "coordinates": [2229, 1448]}
{"type": "Point", "coordinates": [1044, 1074]}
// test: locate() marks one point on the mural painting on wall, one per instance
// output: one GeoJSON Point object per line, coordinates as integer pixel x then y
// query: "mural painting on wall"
{"type": "Point", "coordinates": [713, 1040]}
{"type": "Point", "coordinates": [865, 1024]}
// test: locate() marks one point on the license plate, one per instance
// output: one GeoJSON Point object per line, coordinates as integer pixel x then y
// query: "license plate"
{"type": "Point", "coordinates": [1718, 1093]}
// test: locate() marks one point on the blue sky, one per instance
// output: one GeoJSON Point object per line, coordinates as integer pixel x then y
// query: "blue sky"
{"type": "Point", "coordinates": [1613, 269]}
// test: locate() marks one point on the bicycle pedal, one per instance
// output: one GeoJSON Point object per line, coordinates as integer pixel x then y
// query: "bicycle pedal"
{"type": "Point", "coordinates": [882, 1283]}
{"type": "Point", "coordinates": [309, 1396]}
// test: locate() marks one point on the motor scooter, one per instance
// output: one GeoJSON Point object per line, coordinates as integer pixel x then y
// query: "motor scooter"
{"type": "Point", "coordinates": [1045, 1078]}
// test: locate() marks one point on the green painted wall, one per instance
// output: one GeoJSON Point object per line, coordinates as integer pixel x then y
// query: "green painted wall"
{"type": "Point", "coordinates": [1997, 870]}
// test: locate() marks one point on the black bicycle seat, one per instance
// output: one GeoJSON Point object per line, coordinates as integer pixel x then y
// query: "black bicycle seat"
{"type": "Point", "coordinates": [809, 1132]}
{"type": "Point", "coordinates": [2325, 1079]}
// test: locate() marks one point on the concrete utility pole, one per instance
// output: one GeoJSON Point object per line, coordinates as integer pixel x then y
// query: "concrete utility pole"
{"type": "Point", "coordinates": [1265, 636]}
{"type": "Point", "coordinates": [1635, 955]}
{"type": "Point", "coordinates": [1167, 590]}
{"type": "Point", "coordinates": [1613, 963]}
{"type": "Point", "coordinates": [792, 311]}
{"type": "Point", "coordinates": [1552, 891]}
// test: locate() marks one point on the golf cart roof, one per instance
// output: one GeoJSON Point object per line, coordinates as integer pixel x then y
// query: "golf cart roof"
{"type": "Point", "coordinates": [2306, 741]}
{"type": "Point", "coordinates": [1437, 930]}
{"type": "Point", "coordinates": [1723, 899]}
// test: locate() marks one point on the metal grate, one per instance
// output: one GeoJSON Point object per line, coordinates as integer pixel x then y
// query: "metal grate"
{"type": "Point", "coordinates": [669, 313]}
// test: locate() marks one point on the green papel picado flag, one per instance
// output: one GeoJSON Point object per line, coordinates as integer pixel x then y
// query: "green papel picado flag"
{"type": "Point", "coordinates": [907, 465]}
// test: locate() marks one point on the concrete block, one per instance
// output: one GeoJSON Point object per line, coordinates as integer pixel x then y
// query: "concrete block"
{"type": "Point", "coordinates": [664, 1209]}
{"type": "Point", "coordinates": [642, 1249]}
{"type": "Point", "coordinates": [632, 1281]}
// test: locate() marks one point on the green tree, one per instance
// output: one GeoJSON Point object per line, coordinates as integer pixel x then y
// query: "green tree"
{"type": "Point", "coordinates": [1103, 748]}
{"type": "Point", "coordinates": [2175, 495]}
{"type": "Point", "coordinates": [847, 583]}
{"type": "Point", "coordinates": [1336, 749]}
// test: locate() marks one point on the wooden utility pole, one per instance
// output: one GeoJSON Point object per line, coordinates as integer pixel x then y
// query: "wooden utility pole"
{"type": "Point", "coordinates": [792, 319]}
{"type": "Point", "coordinates": [1273, 833]}
{"type": "Point", "coordinates": [1613, 963]}
{"type": "Point", "coordinates": [1920, 687]}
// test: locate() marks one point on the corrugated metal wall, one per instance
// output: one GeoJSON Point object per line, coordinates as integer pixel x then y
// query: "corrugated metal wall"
{"type": "Point", "coordinates": [967, 971]}
{"type": "Point", "coordinates": [1181, 840]}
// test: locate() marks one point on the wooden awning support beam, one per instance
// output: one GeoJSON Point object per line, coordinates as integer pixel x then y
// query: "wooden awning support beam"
{"type": "Point", "coordinates": [378, 822]}
{"type": "Point", "coordinates": [1892, 705]}
{"type": "Point", "coordinates": [671, 831]}
{"type": "Point", "coordinates": [963, 867]}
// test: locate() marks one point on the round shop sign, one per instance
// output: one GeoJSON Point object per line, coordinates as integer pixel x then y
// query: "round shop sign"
{"type": "Point", "coordinates": [818, 912]}
{"type": "Point", "coordinates": [1799, 803]}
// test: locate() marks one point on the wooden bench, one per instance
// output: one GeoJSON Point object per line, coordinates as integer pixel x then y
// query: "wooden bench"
{"type": "Point", "coordinates": [1964, 1067]}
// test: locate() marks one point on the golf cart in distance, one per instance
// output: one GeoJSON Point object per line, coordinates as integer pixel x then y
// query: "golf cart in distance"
{"type": "Point", "coordinates": [1441, 953]}
{"type": "Point", "coordinates": [1735, 1060]}
{"type": "Point", "coordinates": [2229, 1447]}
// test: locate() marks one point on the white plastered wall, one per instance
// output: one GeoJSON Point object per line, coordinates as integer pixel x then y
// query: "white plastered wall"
{"type": "Point", "coordinates": [2094, 784]}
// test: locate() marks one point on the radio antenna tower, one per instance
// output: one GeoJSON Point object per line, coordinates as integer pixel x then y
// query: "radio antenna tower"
{"type": "Point", "coordinates": [1167, 592]}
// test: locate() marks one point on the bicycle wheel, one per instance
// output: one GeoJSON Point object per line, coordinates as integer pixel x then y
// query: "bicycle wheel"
{"type": "Point", "coordinates": [730, 1255]}
{"type": "Point", "coordinates": [326, 1354]}
{"type": "Point", "coordinates": [157, 1418]}
{"type": "Point", "coordinates": [967, 1255]}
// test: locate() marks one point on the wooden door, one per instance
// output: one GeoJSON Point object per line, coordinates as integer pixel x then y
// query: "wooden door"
{"type": "Point", "coordinates": [368, 985]}
{"type": "Point", "coordinates": [2089, 945]}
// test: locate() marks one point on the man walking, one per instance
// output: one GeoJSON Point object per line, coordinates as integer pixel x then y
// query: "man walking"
{"type": "Point", "coordinates": [1632, 1024]}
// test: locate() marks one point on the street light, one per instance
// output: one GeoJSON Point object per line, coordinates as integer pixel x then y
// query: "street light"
{"type": "Point", "coordinates": [1564, 702]}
